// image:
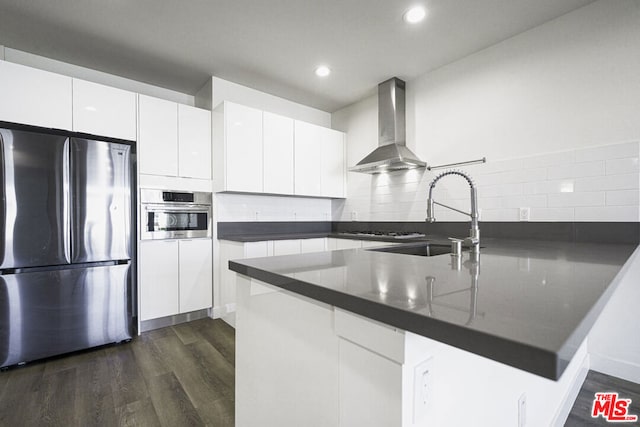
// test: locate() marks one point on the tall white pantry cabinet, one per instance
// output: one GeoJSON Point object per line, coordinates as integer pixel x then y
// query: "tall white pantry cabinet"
{"type": "Point", "coordinates": [174, 140]}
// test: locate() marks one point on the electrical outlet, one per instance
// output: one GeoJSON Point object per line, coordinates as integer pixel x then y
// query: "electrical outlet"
{"type": "Point", "coordinates": [524, 214]}
{"type": "Point", "coordinates": [354, 216]}
{"type": "Point", "coordinates": [422, 389]}
{"type": "Point", "coordinates": [522, 410]}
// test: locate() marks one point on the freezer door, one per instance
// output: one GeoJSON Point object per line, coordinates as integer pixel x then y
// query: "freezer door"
{"type": "Point", "coordinates": [47, 313]}
{"type": "Point", "coordinates": [100, 200]}
{"type": "Point", "coordinates": [34, 218]}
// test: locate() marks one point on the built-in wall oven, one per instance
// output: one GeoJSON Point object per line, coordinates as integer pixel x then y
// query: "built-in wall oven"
{"type": "Point", "coordinates": [175, 214]}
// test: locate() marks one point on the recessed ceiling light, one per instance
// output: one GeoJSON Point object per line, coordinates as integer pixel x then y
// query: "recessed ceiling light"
{"type": "Point", "coordinates": [415, 14]}
{"type": "Point", "coordinates": [323, 71]}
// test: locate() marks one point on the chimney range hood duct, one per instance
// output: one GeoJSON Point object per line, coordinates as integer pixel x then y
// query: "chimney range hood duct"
{"type": "Point", "coordinates": [392, 153]}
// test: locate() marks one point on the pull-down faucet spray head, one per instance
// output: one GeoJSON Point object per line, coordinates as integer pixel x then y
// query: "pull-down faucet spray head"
{"type": "Point", "coordinates": [474, 232]}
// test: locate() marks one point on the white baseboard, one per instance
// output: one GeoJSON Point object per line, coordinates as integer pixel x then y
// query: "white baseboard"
{"type": "Point", "coordinates": [616, 368]}
{"type": "Point", "coordinates": [216, 312]}
{"type": "Point", "coordinates": [570, 397]}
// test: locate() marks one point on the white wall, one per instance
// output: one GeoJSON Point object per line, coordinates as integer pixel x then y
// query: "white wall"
{"type": "Point", "coordinates": [48, 64]}
{"type": "Point", "coordinates": [566, 86]}
{"type": "Point", "coordinates": [224, 90]}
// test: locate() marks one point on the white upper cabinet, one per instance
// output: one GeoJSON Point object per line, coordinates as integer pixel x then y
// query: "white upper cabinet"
{"type": "Point", "coordinates": [237, 148]}
{"type": "Point", "coordinates": [260, 152]}
{"type": "Point", "coordinates": [333, 168]}
{"type": "Point", "coordinates": [194, 142]}
{"type": "Point", "coordinates": [319, 161]}
{"type": "Point", "coordinates": [34, 97]}
{"type": "Point", "coordinates": [196, 275]}
{"type": "Point", "coordinates": [278, 153]}
{"type": "Point", "coordinates": [173, 139]}
{"type": "Point", "coordinates": [308, 152]}
{"type": "Point", "coordinates": [157, 136]}
{"type": "Point", "coordinates": [103, 110]}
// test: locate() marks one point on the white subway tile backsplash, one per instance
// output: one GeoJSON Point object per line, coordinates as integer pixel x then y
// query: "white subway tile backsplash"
{"type": "Point", "coordinates": [623, 198]}
{"type": "Point", "coordinates": [495, 166]}
{"type": "Point", "coordinates": [536, 201]}
{"type": "Point", "coordinates": [490, 202]}
{"type": "Point", "coordinates": [249, 207]}
{"type": "Point", "coordinates": [608, 213]}
{"type": "Point", "coordinates": [607, 152]}
{"type": "Point", "coordinates": [552, 214]}
{"type": "Point", "coordinates": [593, 184]}
{"type": "Point", "coordinates": [499, 215]}
{"type": "Point", "coordinates": [551, 159]}
{"type": "Point", "coordinates": [549, 187]}
{"type": "Point", "coordinates": [500, 190]}
{"type": "Point", "coordinates": [622, 166]}
{"type": "Point", "coordinates": [576, 199]}
{"type": "Point", "coordinates": [577, 170]}
{"type": "Point", "coordinates": [608, 182]}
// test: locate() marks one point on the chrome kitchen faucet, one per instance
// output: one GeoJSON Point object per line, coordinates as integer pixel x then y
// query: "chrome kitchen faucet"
{"type": "Point", "coordinates": [474, 233]}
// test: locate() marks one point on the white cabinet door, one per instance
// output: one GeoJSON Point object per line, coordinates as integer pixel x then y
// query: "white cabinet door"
{"type": "Point", "coordinates": [194, 141]}
{"type": "Point", "coordinates": [313, 245]}
{"type": "Point", "coordinates": [157, 136]}
{"type": "Point", "coordinates": [286, 247]}
{"type": "Point", "coordinates": [34, 97]}
{"type": "Point", "coordinates": [158, 278]}
{"type": "Point", "coordinates": [308, 152]}
{"type": "Point", "coordinates": [243, 147]}
{"type": "Point", "coordinates": [348, 244]}
{"type": "Point", "coordinates": [103, 110]}
{"type": "Point", "coordinates": [333, 169]}
{"type": "Point", "coordinates": [196, 281]}
{"type": "Point", "coordinates": [278, 153]}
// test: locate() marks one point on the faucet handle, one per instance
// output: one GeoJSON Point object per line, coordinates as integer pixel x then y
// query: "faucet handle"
{"type": "Point", "coordinates": [456, 246]}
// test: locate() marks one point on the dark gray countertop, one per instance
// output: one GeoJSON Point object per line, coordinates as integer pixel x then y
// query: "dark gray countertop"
{"type": "Point", "coordinates": [528, 304]}
{"type": "Point", "coordinates": [293, 236]}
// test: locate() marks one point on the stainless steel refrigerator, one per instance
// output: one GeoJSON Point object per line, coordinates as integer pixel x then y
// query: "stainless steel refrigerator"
{"type": "Point", "coordinates": [65, 244]}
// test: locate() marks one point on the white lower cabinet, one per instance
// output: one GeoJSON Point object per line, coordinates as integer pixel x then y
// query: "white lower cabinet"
{"type": "Point", "coordinates": [339, 244]}
{"type": "Point", "coordinates": [175, 277]}
{"type": "Point", "coordinates": [158, 264]}
{"type": "Point", "coordinates": [241, 250]}
{"type": "Point", "coordinates": [230, 250]}
{"type": "Point", "coordinates": [196, 275]}
{"type": "Point", "coordinates": [313, 245]}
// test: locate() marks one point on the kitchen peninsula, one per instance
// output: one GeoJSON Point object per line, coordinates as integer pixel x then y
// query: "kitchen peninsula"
{"type": "Point", "coordinates": [364, 336]}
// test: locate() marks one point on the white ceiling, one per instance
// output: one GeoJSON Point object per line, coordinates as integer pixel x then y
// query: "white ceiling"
{"type": "Point", "coordinates": [270, 45]}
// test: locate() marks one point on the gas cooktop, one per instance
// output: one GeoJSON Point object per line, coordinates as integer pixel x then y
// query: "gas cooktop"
{"type": "Point", "coordinates": [387, 234]}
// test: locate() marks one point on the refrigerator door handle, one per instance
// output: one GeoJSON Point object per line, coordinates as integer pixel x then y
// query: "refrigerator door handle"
{"type": "Point", "coordinates": [66, 206]}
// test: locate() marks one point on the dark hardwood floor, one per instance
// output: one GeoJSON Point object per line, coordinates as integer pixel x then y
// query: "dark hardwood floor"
{"type": "Point", "coordinates": [580, 415]}
{"type": "Point", "coordinates": [178, 376]}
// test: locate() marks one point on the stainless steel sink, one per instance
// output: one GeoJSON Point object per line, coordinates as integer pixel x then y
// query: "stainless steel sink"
{"type": "Point", "coordinates": [418, 249]}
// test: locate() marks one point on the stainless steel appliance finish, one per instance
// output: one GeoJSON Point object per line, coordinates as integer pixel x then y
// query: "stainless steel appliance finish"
{"type": "Point", "coordinates": [175, 214]}
{"type": "Point", "coordinates": [101, 201]}
{"type": "Point", "coordinates": [65, 245]}
{"type": "Point", "coordinates": [474, 232]}
{"type": "Point", "coordinates": [392, 152]}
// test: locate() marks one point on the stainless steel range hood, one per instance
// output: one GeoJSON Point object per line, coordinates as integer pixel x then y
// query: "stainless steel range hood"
{"type": "Point", "coordinates": [392, 153]}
